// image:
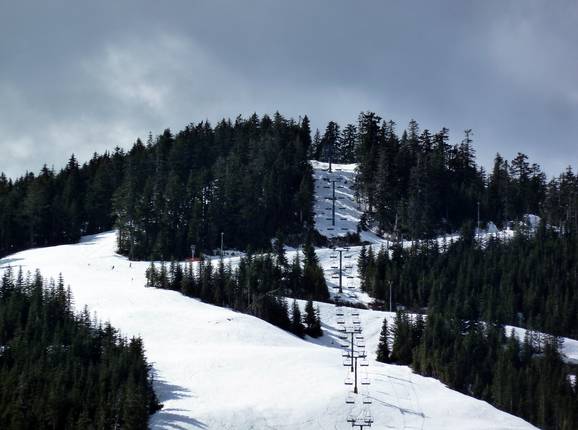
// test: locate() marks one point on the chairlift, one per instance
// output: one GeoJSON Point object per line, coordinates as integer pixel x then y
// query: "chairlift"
{"type": "Point", "coordinates": [361, 344]}
{"type": "Point", "coordinates": [330, 228]}
{"type": "Point", "coordinates": [356, 321]}
{"type": "Point", "coordinates": [355, 312]}
{"type": "Point", "coordinates": [333, 256]}
{"type": "Point", "coordinates": [367, 400]}
{"type": "Point", "coordinates": [368, 419]}
{"type": "Point", "coordinates": [364, 362]}
{"type": "Point", "coordinates": [344, 228]}
{"type": "Point", "coordinates": [350, 399]}
{"type": "Point", "coordinates": [365, 381]}
{"type": "Point", "coordinates": [350, 277]}
{"type": "Point", "coordinates": [348, 380]}
{"type": "Point", "coordinates": [334, 276]}
{"type": "Point", "coordinates": [340, 321]}
{"type": "Point", "coordinates": [347, 362]}
{"type": "Point", "coordinates": [335, 267]}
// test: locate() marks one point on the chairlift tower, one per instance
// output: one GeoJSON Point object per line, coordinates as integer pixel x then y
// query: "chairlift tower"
{"type": "Point", "coordinates": [340, 270]}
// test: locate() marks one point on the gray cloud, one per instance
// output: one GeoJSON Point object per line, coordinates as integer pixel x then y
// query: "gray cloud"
{"type": "Point", "coordinates": [81, 78]}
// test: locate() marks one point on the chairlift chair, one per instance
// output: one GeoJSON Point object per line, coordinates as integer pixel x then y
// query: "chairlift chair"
{"type": "Point", "coordinates": [350, 399]}
{"type": "Point", "coordinates": [348, 380]}
{"type": "Point", "coordinates": [368, 419]}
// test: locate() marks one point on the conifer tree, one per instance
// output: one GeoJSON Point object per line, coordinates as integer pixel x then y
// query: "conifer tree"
{"type": "Point", "coordinates": [383, 346]}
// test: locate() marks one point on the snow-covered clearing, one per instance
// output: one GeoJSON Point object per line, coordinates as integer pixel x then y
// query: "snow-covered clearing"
{"type": "Point", "coordinates": [220, 369]}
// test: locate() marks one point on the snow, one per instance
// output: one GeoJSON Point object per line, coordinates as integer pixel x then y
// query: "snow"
{"type": "Point", "coordinates": [218, 369]}
{"type": "Point", "coordinates": [347, 210]}
{"type": "Point", "coordinates": [569, 348]}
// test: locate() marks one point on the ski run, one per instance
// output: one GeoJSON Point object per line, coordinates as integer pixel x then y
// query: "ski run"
{"type": "Point", "coordinates": [218, 369]}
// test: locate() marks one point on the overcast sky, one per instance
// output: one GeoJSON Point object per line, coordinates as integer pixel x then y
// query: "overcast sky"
{"type": "Point", "coordinates": [82, 77]}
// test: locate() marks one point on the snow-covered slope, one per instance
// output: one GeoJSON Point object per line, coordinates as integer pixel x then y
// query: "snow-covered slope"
{"type": "Point", "coordinates": [218, 369]}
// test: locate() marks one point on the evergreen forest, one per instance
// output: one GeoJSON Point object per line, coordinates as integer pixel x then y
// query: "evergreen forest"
{"type": "Point", "coordinates": [527, 281]}
{"type": "Point", "coordinates": [61, 370]}
{"type": "Point", "coordinates": [244, 181]}
{"type": "Point", "coordinates": [258, 286]}
{"type": "Point", "coordinates": [525, 377]}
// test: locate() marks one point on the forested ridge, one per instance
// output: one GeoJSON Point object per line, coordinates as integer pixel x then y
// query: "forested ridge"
{"type": "Point", "coordinates": [248, 179]}
{"type": "Point", "coordinates": [417, 184]}
{"type": "Point", "coordinates": [61, 370]}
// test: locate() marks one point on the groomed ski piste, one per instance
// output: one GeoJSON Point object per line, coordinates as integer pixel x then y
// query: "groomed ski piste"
{"type": "Point", "coordinates": [219, 369]}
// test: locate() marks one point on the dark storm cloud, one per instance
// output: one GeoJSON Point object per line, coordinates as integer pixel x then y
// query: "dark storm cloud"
{"type": "Point", "coordinates": [88, 76]}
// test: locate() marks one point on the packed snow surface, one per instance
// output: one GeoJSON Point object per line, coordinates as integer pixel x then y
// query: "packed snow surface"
{"type": "Point", "coordinates": [219, 369]}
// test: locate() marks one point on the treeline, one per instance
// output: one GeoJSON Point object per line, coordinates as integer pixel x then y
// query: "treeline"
{"type": "Point", "coordinates": [258, 286]}
{"type": "Point", "coordinates": [528, 379]}
{"type": "Point", "coordinates": [418, 185]}
{"type": "Point", "coordinates": [528, 281]}
{"type": "Point", "coordinates": [248, 179]}
{"type": "Point", "coordinates": [61, 370]}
